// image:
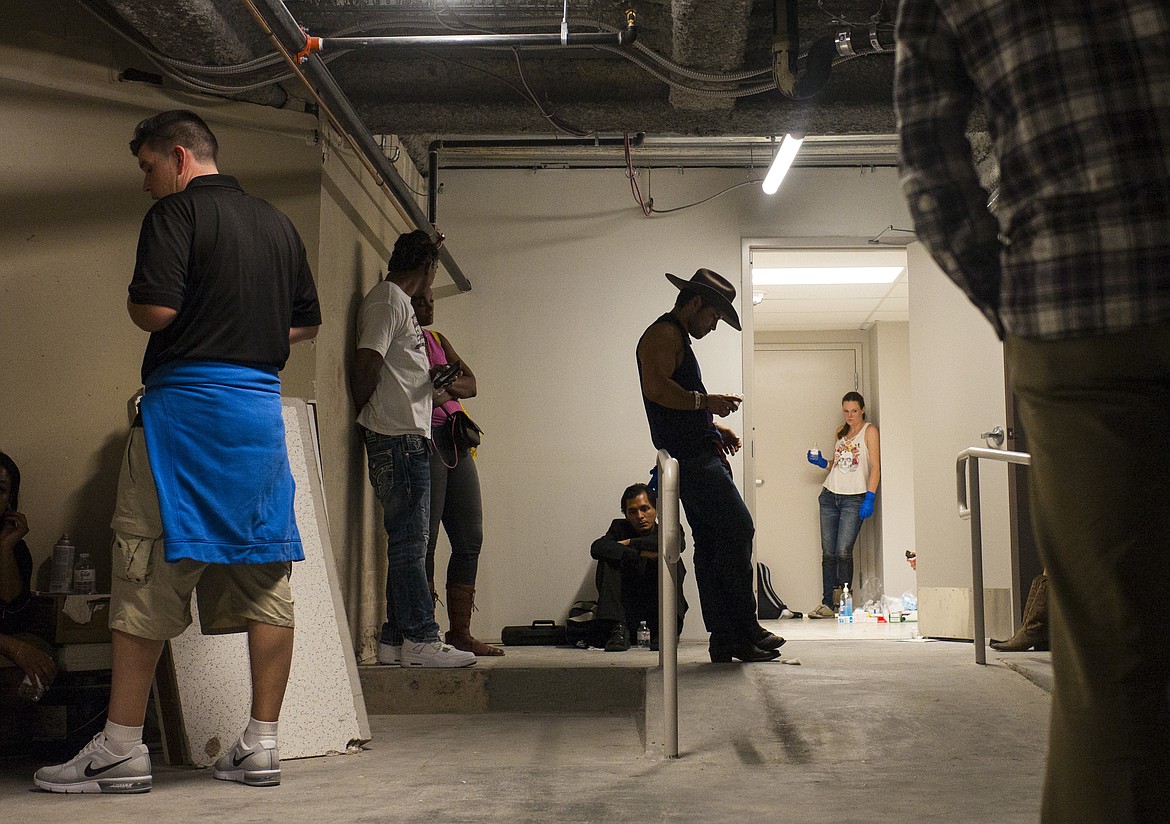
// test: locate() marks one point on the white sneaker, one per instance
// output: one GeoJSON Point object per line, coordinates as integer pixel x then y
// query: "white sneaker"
{"type": "Point", "coordinates": [434, 654]}
{"type": "Point", "coordinates": [97, 770]}
{"type": "Point", "coordinates": [389, 654]}
{"type": "Point", "coordinates": [256, 767]}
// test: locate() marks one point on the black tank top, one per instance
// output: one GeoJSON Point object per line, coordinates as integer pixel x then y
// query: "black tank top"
{"type": "Point", "coordinates": [684, 433]}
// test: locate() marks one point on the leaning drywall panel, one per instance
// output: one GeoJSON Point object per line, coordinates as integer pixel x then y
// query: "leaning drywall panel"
{"type": "Point", "coordinates": [324, 710]}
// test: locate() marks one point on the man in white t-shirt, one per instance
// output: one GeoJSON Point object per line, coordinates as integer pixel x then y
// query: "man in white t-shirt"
{"type": "Point", "coordinates": [392, 389]}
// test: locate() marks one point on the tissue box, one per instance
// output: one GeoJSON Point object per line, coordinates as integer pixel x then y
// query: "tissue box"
{"type": "Point", "coordinates": [72, 619]}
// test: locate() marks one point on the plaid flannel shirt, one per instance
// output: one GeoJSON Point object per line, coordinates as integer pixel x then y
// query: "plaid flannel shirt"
{"type": "Point", "coordinates": [1077, 96]}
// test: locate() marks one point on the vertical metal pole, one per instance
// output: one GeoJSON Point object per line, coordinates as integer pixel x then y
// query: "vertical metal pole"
{"type": "Point", "coordinates": [669, 532]}
{"type": "Point", "coordinates": [977, 562]}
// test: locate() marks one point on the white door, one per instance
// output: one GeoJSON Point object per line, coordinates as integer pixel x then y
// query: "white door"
{"type": "Point", "coordinates": [797, 399]}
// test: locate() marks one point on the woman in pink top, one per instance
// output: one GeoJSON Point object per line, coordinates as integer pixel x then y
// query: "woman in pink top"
{"type": "Point", "coordinates": [455, 495]}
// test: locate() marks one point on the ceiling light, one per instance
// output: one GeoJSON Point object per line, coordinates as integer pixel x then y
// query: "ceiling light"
{"type": "Point", "coordinates": [789, 146]}
{"type": "Point", "coordinates": [824, 275]}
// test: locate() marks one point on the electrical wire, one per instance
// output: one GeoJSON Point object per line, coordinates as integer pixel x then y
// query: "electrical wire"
{"type": "Point", "coordinates": [647, 206]}
{"type": "Point", "coordinates": [549, 116]}
{"type": "Point", "coordinates": [706, 199]}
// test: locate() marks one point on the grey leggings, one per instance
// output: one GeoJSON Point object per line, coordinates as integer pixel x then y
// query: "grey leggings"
{"type": "Point", "coordinates": [456, 503]}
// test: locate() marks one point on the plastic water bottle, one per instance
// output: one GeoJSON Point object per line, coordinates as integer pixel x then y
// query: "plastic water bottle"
{"type": "Point", "coordinates": [31, 688]}
{"type": "Point", "coordinates": [61, 580]}
{"type": "Point", "coordinates": [643, 636]}
{"type": "Point", "coordinates": [84, 576]}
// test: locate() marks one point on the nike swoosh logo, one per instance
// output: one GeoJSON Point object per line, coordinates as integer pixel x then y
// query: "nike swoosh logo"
{"type": "Point", "coordinates": [238, 761]}
{"type": "Point", "coordinates": [90, 772]}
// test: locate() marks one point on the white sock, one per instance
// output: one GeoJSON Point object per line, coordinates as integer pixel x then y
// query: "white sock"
{"type": "Point", "coordinates": [120, 740]}
{"type": "Point", "coordinates": [259, 731]}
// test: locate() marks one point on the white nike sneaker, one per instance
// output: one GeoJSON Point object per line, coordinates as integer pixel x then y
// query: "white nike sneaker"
{"type": "Point", "coordinates": [97, 770]}
{"type": "Point", "coordinates": [434, 654]}
{"type": "Point", "coordinates": [389, 654]}
{"type": "Point", "coordinates": [256, 767]}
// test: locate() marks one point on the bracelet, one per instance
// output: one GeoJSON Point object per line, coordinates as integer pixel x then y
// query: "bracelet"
{"type": "Point", "coordinates": [698, 399]}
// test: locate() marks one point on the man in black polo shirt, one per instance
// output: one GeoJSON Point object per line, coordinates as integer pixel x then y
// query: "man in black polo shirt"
{"type": "Point", "coordinates": [681, 416]}
{"type": "Point", "coordinates": [223, 285]}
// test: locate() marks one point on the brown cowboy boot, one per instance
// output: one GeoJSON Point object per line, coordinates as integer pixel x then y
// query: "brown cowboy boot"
{"type": "Point", "coordinates": [1033, 631]}
{"type": "Point", "coordinates": [460, 603]}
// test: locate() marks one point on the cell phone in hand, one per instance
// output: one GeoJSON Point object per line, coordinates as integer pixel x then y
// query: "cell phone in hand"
{"type": "Point", "coordinates": [445, 375]}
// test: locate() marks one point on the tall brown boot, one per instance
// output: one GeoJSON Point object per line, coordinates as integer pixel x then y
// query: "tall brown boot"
{"type": "Point", "coordinates": [1033, 631]}
{"type": "Point", "coordinates": [460, 603]}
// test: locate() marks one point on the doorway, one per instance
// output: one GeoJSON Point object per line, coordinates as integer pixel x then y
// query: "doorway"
{"type": "Point", "coordinates": [805, 345]}
{"type": "Point", "coordinates": [797, 395]}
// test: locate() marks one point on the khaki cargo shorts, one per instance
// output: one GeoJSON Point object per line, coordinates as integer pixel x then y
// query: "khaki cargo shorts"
{"type": "Point", "coordinates": [151, 598]}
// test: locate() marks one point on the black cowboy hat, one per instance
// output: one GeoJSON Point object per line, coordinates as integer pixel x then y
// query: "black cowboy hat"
{"type": "Point", "coordinates": [715, 289]}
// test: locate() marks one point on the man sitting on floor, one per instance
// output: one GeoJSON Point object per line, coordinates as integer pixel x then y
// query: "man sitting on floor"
{"type": "Point", "coordinates": [627, 570]}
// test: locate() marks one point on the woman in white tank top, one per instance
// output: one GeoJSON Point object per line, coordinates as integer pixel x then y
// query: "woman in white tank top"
{"type": "Point", "coordinates": [847, 497]}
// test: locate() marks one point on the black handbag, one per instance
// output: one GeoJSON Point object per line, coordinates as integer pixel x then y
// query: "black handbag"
{"type": "Point", "coordinates": [464, 431]}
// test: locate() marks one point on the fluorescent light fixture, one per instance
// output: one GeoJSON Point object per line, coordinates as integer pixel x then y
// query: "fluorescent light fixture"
{"type": "Point", "coordinates": [819, 276]}
{"type": "Point", "coordinates": [789, 146]}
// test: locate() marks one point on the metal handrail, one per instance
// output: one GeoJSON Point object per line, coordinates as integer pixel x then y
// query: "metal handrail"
{"type": "Point", "coordinates": [971, 456]}
{"type": "Point", "coordinates": [669, 542]}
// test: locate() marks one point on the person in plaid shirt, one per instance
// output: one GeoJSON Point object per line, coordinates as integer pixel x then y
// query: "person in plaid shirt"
{"type": "Point", "coordinates": [1073, 271]}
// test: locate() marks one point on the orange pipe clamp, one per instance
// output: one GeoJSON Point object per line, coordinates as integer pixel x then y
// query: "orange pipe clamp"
{"type": "Point", "coordinates": [312, 44]}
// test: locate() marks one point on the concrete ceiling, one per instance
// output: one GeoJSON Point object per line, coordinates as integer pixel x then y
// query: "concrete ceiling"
{"type": "Point", "coordinates": [698, 69]}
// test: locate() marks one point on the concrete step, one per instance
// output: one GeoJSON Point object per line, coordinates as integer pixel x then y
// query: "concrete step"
{"type": "Point", "coordinates": [525, 679]}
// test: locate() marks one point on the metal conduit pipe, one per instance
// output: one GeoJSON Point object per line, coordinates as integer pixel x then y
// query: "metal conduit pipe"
{"type": "Point", "coordinates": [285, 27]}
{"type": "Point", "coordinates": [505, 143]}
{"type": "Point", "coordinates": [669, 537]}
{"type": "Point", "coordinates": [624, 37]}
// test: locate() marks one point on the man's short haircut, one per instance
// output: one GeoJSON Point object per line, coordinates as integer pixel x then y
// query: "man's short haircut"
{"type": "Point", "coordinates": [634, 491]}
{"type": "Point", "coordinates": [13, 481]}
{"type": "Point", "coordinates": [177, 127]}
{"type": "Point", "coordinates": [413, 250]}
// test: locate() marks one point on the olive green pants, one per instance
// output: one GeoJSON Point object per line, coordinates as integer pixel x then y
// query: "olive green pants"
{"type": "Point", "coordinates": [1096, 412]}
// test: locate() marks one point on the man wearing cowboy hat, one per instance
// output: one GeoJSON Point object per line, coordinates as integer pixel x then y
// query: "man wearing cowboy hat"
{"type": "Point", "coordinates": [681, 414]}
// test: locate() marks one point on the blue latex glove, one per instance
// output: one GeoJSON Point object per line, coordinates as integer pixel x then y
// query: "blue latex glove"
{"type": "Point", "coordinates": [822, 463]}
{"type": "Point", "coordinates": [866, 506]}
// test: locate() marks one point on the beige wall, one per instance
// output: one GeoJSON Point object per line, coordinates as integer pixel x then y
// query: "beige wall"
{"type": "Point", "coordinates": [72, 209]}
{"type": "Point", "coordinates": [957, 381]}
{"type": "Point", "coordinates": [567, 274]}
{"type": "Point", "coordinates": [891, 397]}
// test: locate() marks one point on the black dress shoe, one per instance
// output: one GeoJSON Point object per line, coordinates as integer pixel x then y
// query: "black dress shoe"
{"type": "Point", "coordinates": [619, 639]}
{"type": "Point", "coordinates": [745, 651]}
{"type": "Point", "coordinates": [766, 640]}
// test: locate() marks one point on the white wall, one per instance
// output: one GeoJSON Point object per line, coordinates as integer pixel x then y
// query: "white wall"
{"type": "Point", "coordinates": [957, 382]}
{"type": "Point", "coordinates": [893, 402]}
{"type": "Point", "coordinates": [567, 273]}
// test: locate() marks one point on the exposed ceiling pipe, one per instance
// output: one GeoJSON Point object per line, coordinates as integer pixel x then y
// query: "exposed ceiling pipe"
{"type": "Point", "coordinates": [505, 143]}
{"type": "Point", "coordinates": [292, 38]}
{"type": "Point", "coordinates": [623, 37]}
{"type": "Point", "coordinates": [850, 41]}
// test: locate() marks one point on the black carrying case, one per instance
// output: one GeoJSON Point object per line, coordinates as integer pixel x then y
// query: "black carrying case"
{"type": "Point", "coordinates": [538, 633]}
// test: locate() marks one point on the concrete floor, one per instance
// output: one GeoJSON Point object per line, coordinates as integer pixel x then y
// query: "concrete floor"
{"type": "Point", "coordinates": [870, 726]}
